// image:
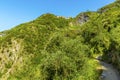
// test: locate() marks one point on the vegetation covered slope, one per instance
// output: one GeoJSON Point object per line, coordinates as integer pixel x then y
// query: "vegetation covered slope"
{"type": "Point", "coordinates": [57, 48]}
{"type": "Point", "coordinates": [45, 49]}
{"type": "Point", "coordinates": [102, 33]}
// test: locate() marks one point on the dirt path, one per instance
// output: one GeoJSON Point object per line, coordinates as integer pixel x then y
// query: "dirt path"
{"type": "Point", "coordinates": [109, 73]}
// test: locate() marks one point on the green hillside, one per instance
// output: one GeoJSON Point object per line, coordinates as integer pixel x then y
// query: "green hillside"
{"type": "Point", "coordinates": [57, 48]}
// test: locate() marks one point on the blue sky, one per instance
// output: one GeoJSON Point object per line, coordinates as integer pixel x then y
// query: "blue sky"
{"type": "Point", "coordinates": [14, 12]}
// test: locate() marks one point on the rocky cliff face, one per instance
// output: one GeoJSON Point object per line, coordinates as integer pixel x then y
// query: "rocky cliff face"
{"type": "Point", "coordinates": [83, 18]}
{"type": "Point", "coordinates": [10, 57]}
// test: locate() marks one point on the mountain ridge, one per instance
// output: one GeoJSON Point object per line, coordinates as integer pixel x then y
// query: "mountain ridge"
{"type": "Point", "coordinates": [59, 48]}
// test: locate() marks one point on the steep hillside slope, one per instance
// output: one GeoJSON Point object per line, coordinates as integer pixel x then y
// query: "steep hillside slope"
{"type": "Point", "coordinates": [44, 49]}
{"type": "Point", "coordinates": [102, 33]}
{"type": "Point", "coordinates": [57, 48]}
